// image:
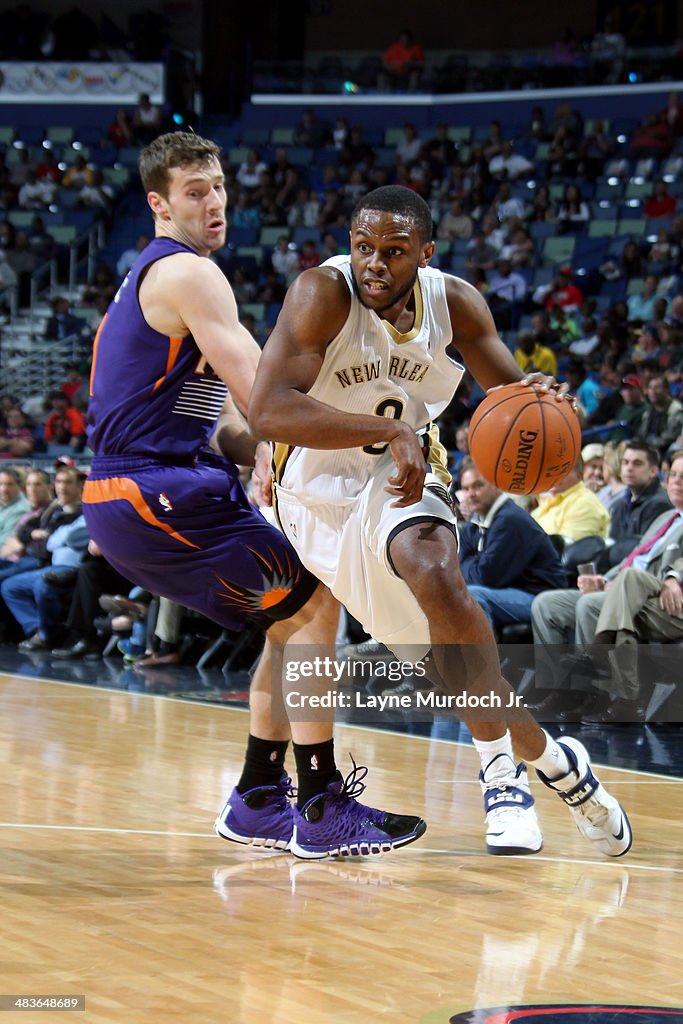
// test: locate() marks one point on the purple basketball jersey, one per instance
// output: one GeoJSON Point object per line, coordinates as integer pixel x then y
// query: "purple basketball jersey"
{"type": "Point", "coordinates": [150, 394]}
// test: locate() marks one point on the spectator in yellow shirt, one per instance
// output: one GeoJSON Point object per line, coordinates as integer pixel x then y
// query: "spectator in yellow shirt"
{"type": "Point", "coordinates": [532, 356]}
{"type": "Point", "coordinates": [572, 510]}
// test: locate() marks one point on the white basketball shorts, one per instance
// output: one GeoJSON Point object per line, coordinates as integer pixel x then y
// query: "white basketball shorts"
{"type": "Point", "coordinates": [347, 548]}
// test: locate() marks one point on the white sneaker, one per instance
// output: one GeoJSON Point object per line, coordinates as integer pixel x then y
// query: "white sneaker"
{"type": "Point", "coordinates": [511, 823]}
{"type": "Point", "coordinates": [598, 816]}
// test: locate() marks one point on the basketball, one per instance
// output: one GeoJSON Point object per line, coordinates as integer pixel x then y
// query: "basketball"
{"type": "Point", "coordinates": [524, 441]}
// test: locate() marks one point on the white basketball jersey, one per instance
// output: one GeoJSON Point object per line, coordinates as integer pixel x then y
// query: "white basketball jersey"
{"type": "Point", "coordinates": [371, 368]}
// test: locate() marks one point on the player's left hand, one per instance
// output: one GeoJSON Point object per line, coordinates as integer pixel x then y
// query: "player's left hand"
{"type": "Point", "coordinates": [262, 478]}
{"type": "Point", "coordinates": [547, 384]}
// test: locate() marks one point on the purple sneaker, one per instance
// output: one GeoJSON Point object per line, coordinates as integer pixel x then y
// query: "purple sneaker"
{"type": "Point", "coordinates": [259, 817]}
{"type": "Point", "coordinates": [334, 824]}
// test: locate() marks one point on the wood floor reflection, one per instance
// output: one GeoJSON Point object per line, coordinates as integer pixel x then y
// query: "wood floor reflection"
{"type": "Point", "coordinates": [113, 885]}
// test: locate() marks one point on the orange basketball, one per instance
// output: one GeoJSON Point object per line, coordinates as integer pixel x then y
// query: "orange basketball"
{"type": "Point", "coordinates": [523, 440]}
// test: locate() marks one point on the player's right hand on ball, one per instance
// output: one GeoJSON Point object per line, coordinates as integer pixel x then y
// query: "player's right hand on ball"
{"type": "Point", "coordinates": [408, 480]}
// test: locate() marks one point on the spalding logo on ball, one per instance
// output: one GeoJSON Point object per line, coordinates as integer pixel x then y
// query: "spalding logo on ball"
{"type": "Point", "coordinates": [524, 441]}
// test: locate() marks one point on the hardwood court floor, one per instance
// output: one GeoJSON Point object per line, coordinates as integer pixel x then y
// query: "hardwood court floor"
{"type": "Point", "coordinates": [113, 885]}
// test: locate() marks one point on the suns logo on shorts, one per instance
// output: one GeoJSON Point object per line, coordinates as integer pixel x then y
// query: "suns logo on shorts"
{"type": "Point", "coordinates": [278, 583]}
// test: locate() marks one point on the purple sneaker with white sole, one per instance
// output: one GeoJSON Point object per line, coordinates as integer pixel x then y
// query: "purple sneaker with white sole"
{"type": "Point", "coordinates": [259, 817]}
{"type": "Point", "coordinates": [334, 824]}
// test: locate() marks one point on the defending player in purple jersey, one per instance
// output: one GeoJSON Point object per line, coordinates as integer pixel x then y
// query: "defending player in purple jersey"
{"type": "Point", "coordinates": [170, 355]}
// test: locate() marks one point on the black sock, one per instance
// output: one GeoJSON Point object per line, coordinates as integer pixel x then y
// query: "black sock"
{"type": "Point", "coordinates": [264, 763]}
{"type": "Point", "coordinates": [315, 767]}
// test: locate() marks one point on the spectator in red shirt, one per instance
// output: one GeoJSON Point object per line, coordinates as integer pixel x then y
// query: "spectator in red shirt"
{"type": "Point", "coordinates": [563, 293]}
{"type": "Point", "coordinates": [65, 425]}
{"type": "Point", "coordinates": [403, 62]}
{"type": "Point", "coordinates": [653, 138]}
{"type": "Point", "coordinates": [660, 203]}
{"type": "Point", "coordinates": [309, 255]}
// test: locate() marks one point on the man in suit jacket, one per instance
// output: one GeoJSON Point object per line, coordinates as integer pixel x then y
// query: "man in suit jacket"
{"type": "Point", "coordinates": [506, 558]}
{"type": "Point", "coordinates": [639, 600]}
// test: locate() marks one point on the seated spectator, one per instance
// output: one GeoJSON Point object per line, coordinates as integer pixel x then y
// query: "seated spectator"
{"type": "Point", "coordinates": [519, 250]}
{"type": "Point", "coordinates": [542, 331]}
{"type": "Point", "coordinates": [633, 407]}
{"type": "Point", "coordinates": [47, 168]}
{"type": "Point", "coordinates": [17, 438]}
{"type": "Point", "coordinates": [65, 426]}
{"type": "Point", "coordinates": [542, 206]}
{"type": "Point", "coordinates": [92, 577]}
{"type": "Point", "coordinates": [62, 324]}
{"type": "Point", "coordinates": [648, 348]}
{"type": "Point", "coordinates": [505, 295]}
{"type": "Point", "coordinates": [309, 255]}
{"type": "Point", "coordinates": [25, 548]}
{"type": "Point", "coordinates": [146, 123]}
{"type": "Point", "coordinates": [455, 223]}
{"type": "Point", "coordinates": [614, 487]}
{"type": "Point", "coordinates": [402, 64]}
{"type": "Point", "coordinates": [101, 286]}
{"type": "Point", "coordinates": [42, 244]}
{"type": "Point", "coordinates": [78, 174]}
{"type": "Point", "coordinates": [507, 207]}
{"type": "Point", "coordinates": [662, 421]}
{"type": "Point", "coordinates": [13, 501]}
{"type": "Point", "coordinates": [36, 193]}
{"type": "Point", "coordinates": [588, 342]}
{"type": "Point", "coordinates": [593, 465]}
{"type": "Point", "coordinates": [332, 213]}
{"type": "Point", "coordinates": [34, 601]}
{"type": "Point", "coordinates": [73, 382]}
{"type": "Point", "coordinates": [129, 256]}
{"type": "Point", "coordinates": [672, 113]}
{"type": "Point", "coordinates": [533, 357]}
{"type": "Point", "coordinates": [493, 143]}
{"type": "Point", "coordinates": [573, 211]}
{"type": "Point", "coordinates": [560, 292]}
{"type": "Point", "coordinates": [582, 386]}
{"type": "Point", "coordinates": [593, 150]}
{"type": "Point", "coordinates": [643, 498]}
{"type": "Point", "coordinates": [661, 256]}
{"type": "Point", "coordinates": [570, 509]}
{"type": "Point", "coordinates": [304, 211]}
{"type": "Point", "coordinates": [340, 133]}
{"type": "Point", "coordinates": [285, 259]}
{"type": "Point", "coordinates": [440, 151]}
{"type": "Point", "coordinates": [408, 149]}
{"type": "Point", "coordinates": [638, 600]}
{"type": "Point", "coordinates": [480, 256]}
{"type": "Point", "coordinates": [509, 165]}
{"type": "Point", "coordinates": [250, 170]}
{"type": "Point", "coordinates": [660, 203]}
{"type": "Point", "coordinates": [311, 131]}
{"type": "Point", "coordinates": [652, 138]}
{"type": "Point", "coordinates": [98, 195]}
{"type": "Point", "coordinates": [38, 497]}
{"type": "Point", "coordinates": [505, 557]}
{"type": "Point", "coordinates": [120, 131]}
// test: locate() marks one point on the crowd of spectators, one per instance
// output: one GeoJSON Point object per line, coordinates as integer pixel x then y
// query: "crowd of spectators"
{"type": "Point", "coordinates": [613, 332]}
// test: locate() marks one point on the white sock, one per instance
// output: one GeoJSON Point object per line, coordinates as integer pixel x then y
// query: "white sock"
{"type": "Point", "coordinates": [495, 750]}
{"type": "Point", "coordinates": [553, 762]}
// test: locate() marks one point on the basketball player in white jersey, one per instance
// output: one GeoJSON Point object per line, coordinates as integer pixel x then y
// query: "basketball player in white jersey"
{"type": "Point", "coordinates": [352, 376]}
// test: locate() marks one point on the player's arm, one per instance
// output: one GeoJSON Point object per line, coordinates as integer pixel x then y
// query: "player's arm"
{"type": "Point", "coordinates": [231, 436]}
{"type": "Point", "coordinates": [205, 304]}
{"type": "Point", "coordinates": [476, 338]}
{"type": "Point", "coordinates": [314, 311]}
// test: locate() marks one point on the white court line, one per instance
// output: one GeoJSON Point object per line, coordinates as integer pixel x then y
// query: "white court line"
{"type": "Point", "coordinates": [340, 725]}
{"type": "Point", "coordinates": [415, 852]}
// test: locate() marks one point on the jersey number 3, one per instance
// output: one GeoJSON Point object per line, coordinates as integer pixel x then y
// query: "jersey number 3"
{"type": "Point", "coordinates": [392, 408]}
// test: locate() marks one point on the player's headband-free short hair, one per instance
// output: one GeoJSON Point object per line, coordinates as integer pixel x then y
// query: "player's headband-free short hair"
{"type": "Point", "coordinates": [401, 200]}
{"type": "Point", "coordinates": [174, 149]}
